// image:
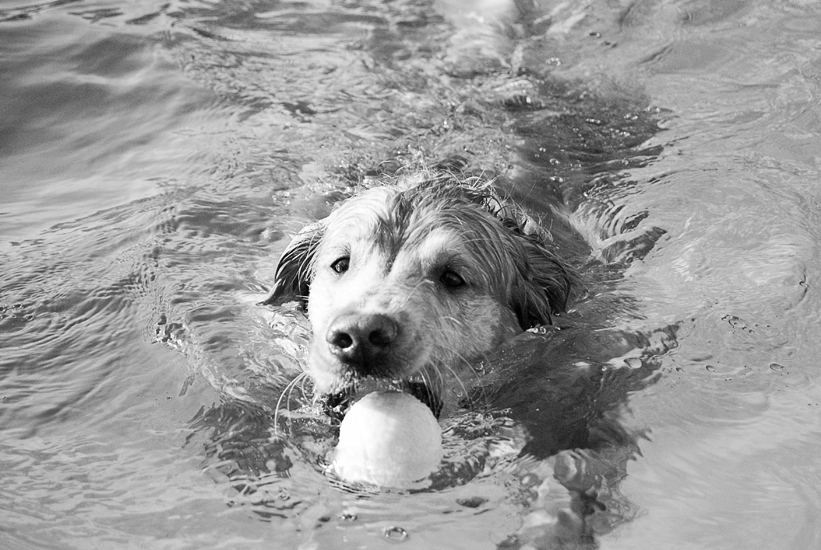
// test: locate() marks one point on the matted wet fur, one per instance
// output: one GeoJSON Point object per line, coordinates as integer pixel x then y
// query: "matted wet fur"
{"type": "Point", "coordinates": [403, 283]}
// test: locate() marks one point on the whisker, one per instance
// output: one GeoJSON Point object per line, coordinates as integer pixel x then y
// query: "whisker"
{"type": "Point", "coordinates": [276, 410]}
{"type": "Point", "coordinates": [410, 294]}
{"type": "Point", "coordinates": [290, 396]}
{"type": "Point", "coordinates": [457, 377]}
{"type": "Point", "coordinates": [305, 378]}
{"type": "Point", "coordinates": [287, 390]}
{"type": "Point", "coordinates": [469, 364]}
{"type": "Point", "coordinates": [433, 389]}
{"type": "Point", "coordinates": [478, 376]}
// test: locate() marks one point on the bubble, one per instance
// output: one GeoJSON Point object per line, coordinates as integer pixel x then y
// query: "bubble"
{"type": "Point", "coordinates": [396, 534]}
{"type": "Point", "coordinates": [472, 502]}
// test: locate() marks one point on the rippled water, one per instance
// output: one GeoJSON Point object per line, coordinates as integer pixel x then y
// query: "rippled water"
{"type": "Point", "coordinates": [156, 156]}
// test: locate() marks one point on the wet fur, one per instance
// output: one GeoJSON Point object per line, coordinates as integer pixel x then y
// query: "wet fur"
{"type": "Point", "coordinates": [401, 240]}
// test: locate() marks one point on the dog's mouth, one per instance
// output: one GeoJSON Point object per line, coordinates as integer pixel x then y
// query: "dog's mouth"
{"type": "Point", "coordinates": [337, 404]}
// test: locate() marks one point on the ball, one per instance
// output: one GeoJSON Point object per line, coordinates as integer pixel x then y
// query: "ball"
{"type": "Point", "coordinates": [388, 439]}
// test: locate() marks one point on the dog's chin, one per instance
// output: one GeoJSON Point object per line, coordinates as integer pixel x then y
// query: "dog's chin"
{"type": "Point", "coordinates": [337, 403]}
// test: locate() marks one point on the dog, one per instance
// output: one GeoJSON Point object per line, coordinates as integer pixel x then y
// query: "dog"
{"type": "Point", "coordinates": [404, 283]}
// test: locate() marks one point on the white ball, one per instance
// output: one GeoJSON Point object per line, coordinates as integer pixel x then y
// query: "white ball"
{"type": "Point", "coordinates": [389, 439]}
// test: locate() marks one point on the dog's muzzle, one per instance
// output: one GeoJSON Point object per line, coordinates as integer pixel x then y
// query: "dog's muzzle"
{"type": "Point", "coordinates": [363, 342]}
{"type": "Point", "coordinates": [368, 348]}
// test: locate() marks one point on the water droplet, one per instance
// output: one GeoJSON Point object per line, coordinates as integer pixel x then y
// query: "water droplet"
{"type": "Point", "coordinates": [633, 362]}
{"type": "Point", "coordinates": [396, 534]}
{"type": "Point", "coordinates": [530, 480]}
{"type": "Point", "coordinates": [472, 502]}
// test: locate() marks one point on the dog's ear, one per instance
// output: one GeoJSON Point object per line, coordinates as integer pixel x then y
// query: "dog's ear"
{"type": "Point", "coordinates": [293, 276]}
{"type": "Point", "coordinates": [544, 284]}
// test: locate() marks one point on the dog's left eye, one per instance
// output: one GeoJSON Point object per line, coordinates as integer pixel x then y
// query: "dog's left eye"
{"type": "Point", "coordinates": [341, 265]}
{"type": "Point", "coordinates": [451, 279]}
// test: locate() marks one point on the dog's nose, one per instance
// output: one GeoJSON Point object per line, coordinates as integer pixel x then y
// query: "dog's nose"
{"type": "Point", "coordinates": [362, 341]}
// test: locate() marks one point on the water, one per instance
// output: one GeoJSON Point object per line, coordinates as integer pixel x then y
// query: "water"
{"type": "Point", "coordinates": [155, 157]}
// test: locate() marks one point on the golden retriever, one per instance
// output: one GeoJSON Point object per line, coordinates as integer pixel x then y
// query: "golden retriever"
{"type": "Point", "coordinates": [403, 283]}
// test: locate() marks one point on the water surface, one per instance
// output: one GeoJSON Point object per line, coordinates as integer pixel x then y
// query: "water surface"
{"type": "Point", "coordinates": [155, 158]}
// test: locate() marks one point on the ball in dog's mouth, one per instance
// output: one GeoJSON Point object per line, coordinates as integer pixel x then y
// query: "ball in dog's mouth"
{"type": "Point", "coordinates": [388, 439]}
{"type": "Point", "coordinates": [336, 405]}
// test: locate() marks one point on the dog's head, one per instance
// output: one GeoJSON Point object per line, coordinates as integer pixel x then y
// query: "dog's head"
{"type": "Point", "coordinates": [405, 284]}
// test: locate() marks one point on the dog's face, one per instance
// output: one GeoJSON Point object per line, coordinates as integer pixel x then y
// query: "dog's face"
{"type": "Point", "coordinates": [389, 296]}
{"type": "Point", "coordinates": [405, 285]}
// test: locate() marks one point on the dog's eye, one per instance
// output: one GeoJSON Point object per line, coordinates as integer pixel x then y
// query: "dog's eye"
{"type": "Point", "coordinates": [341, 265]}
{"type": "Point", "coordinates": [451, 279]}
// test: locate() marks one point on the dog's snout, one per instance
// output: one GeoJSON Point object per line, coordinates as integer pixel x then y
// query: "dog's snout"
{"type": "Point", "coordinates": [362, 341]}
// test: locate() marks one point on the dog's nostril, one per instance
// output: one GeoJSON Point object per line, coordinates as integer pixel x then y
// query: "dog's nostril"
{"type": "Point", "coordinates": [381, 337]}
{"type": "Point", "coordinates": [341, 340]}
{"type": "Point", "coordinates": [382, 331]}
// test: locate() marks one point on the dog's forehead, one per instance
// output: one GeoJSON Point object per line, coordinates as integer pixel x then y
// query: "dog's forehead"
{"type": "Point", "coordinates": [436, 241]}
{"type": "Point", "coordinates": [360, 217]}
{"type": "Point", "coordinates": [405, 225]}
{"type": "Point", "coordinates": [431, 249]}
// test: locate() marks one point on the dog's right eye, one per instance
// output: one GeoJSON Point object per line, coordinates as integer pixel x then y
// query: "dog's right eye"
{"type": "Point", "coordinates": [451, 279]}
{"type": "Point", "coordinates": [341, 265]}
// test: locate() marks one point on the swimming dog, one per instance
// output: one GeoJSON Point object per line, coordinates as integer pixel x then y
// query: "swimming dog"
{"type": "Point", "coordinates": [406, 282]}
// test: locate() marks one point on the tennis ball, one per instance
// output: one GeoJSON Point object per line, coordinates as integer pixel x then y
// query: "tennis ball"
{"type": "Point", "coordinates": [389, 439]}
